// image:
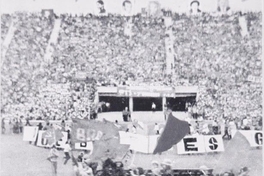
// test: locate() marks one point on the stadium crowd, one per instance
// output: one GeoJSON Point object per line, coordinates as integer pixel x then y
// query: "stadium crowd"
{"type": "Point", "coordinates": [117, 50]}
{"type": "Point", "coordinates": [5, 24]}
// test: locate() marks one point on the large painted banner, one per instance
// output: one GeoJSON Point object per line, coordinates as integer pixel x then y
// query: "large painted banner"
{"type": "Point", "coordinates": [253, 137]}
{"type": "Point", "coordinates": [30, 133]}
{"type": "Point", "coordinates": [200, 144]}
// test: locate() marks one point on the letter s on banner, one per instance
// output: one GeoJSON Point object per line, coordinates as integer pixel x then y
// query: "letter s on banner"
{"type": "Point", "coordinates": [213, 143]}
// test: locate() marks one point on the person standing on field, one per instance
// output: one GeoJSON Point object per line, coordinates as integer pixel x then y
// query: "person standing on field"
{"type": "Point", "coordinates": [53, 158]}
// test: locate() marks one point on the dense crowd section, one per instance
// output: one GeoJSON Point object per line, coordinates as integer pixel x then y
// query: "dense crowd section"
{"type": "Point", "coordinates": [5, 24]}
{"type": "Point", "coordinates": [21, 67]}
{"type": "Point", "coordinates": [114, 50]}
{"type": "Point", "coordinates": [210, 51]}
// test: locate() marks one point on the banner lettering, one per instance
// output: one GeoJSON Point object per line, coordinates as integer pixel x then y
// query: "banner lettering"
{"type": "Point", "coordinates": [255, 138]}
{"type": "Point", "coordinates": [213, 143]}
{"type": "Point", "coordinates": [191, 144]}
{"type": "Point", "coordinates": [43, 142]}
{"type": "Point", "coordinates": [200, 144]}
{"type": "Point", "coordinates": [84, 146]}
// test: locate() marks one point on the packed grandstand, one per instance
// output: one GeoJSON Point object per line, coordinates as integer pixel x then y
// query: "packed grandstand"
{"type": "Point", "coordinates": [214, 52]}
{"type": "Point", "coordinates": [210, 52]}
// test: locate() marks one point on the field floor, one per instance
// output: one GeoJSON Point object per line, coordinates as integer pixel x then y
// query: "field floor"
{"type": "Point", "coordinates": [21, 158]}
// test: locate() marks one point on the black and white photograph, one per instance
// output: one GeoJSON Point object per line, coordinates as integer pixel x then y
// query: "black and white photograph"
{"type": "Point", "coordinates": [128, 7]}
{"type": "Point", "coordinates": [131, 88]}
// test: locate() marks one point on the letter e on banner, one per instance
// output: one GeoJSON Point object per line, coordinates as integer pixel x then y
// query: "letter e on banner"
{"type": "Point", "coordinates": [191, 144]}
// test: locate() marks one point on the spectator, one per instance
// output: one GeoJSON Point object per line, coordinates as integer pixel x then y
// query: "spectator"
{"type": "Point", "coordinates": [53, 157]}
{"type": "Point", "coordinates": [155, 168]}
{"type": "Point", "coordinates": [20, 124]}
{"type": "Point", "coordinates": [11, 126]}
{"type": "Point", "coordinates": [227, 131]}
{"type": "Point", "coordinates": [166, 168]}
{"type": "Point", "coordinates": [3, 126]}
{"type": "Point", "coordinates": [67, 149]}
{"type": "Point", "coordinates": [244, 172]}
{"type": "Point", "coordinates": [195, 8]}
{"type": "Point", "coordinates": [40, 127]}
{"type": "Point", "coordinates": [153, 107]}
{"type": "Point", "coordinates": [126, 115]}
{"type": "Point", "coordinates": [156, 129]}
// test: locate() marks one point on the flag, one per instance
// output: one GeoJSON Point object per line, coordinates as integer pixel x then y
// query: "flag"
{"type": "Point", "coordinates": [105, 137]}
{"type": "Point", "coordinates": [91, 130]}
{"type": "Point", "coordinates": [52, 135]}
{"type": "Point", "coordinates": [173, 132]}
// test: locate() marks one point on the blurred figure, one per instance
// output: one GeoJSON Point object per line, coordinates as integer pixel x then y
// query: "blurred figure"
{"type": "Point", "coordinates": [206, 171]}
{"type": "Point", "coordinates": [153, 107]}
{"type": "Point", "coordinates": [53, 158]}
{"type": "Point", "coordinates": [11, 126]}
{"type": "Point", "coordinates": [126, 114]}
{"type": "Point", "coordinates": [63, 125]}
{"type": "Point", "coordinates": [66, 151]}
{"type": "Point", "coordinates": [100, 6]}
{"type": "Point", "coordinates": [155, 168]}
{"type": "Point", "coordinates": [166, 168]}
{"type": "Point", "coordinates": [27, 122]}
{"type": "Point", "coordinates": [227, 131]}
{"type": "Point", "coordinates": [223, 6]}
{"type": "Point", "coordinates": [137, 172]}
{"type": "Point", "coordinates": [3, 126]}
{"type": "Point", "coordinates": [127, 7]}
{"type": "Point", "coordinates": [40, 127]}
{"type": "Point", "coordinates": [156, 128]}
{"type": "Point", "coordinates": [215, 127]}
{"type": "Point", "coordinates": [244, 171]}
{"type": "Point", "coordinates": [154, 9]}
{"type": "Point", "coordinates": [20, 126]}
{"type": "Point", "coordinates": [107, 104]}
{"type": "Point", "coordinates": [195, 8]}
{"type": "Point", "coordinates": [85, 170]}
{"type": "Point", "coordinates": [134, 129]}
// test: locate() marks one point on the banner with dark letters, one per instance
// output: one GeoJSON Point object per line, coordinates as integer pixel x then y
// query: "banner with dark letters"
{"type": "Point", "coordinates": [200, 144]}
{"type": "Point", "coordinates": [253, 137]}
{"type": "Point", "coordinates": [43, 142]}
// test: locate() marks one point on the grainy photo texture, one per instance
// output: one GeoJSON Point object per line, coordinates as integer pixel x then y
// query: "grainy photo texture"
{"type": "Point", "coordinates": [131, 88]}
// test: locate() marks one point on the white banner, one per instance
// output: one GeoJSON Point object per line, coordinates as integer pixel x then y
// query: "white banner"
{"type": "Point", "coordinates": [213, 143]}
{"type": "Point", "coordinates": [138, 142]}
{"type": "Point", "coordinates": [30, 133]}
{"type": "Point", "coordinates": [191, 144]}
{"type": "Point", "coordinates": [253, 137]}
{"type": "Point", "coordinates": [42, 142]}
{"type": "Point", "coordinates": [84, 146]}
{"type": "Point", "coordinates": [125, 137]}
